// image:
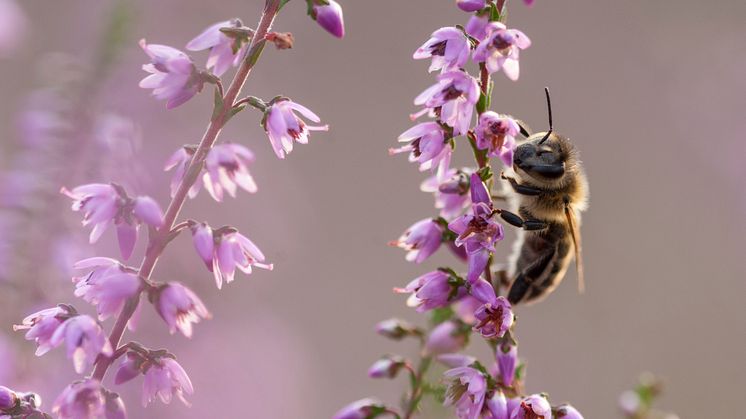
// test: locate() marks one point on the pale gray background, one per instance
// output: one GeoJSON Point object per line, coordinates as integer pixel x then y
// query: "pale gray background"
{"type": "Point", "coordinates": [652, 92]}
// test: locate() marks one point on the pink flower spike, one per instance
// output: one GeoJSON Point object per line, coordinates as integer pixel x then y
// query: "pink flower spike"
{"type": "Point", "coordinates": [224, 50]}
{"type": "Point", "coordinates": [180, 307]}
{"type": "Point", "coordinates": [226, 169]}
{"type": "Point", "coordinates": [84, 339]}
{"type": "Point", "coordinates": [284, 127]}
{"type": "Point", "coordinates": [164, 380]}
{"type": "Point", "coordinates": [173, 77]}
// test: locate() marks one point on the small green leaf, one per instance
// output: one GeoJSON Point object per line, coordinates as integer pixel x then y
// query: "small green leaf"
{"type": "Point", "coordinates": [218, 106]}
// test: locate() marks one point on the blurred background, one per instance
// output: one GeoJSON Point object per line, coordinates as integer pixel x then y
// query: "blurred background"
{"type": "Point", "coordinates": [651, 92]}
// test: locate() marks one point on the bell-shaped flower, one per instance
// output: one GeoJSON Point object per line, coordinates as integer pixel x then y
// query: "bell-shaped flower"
{"type": "Point", "coordinates": [224, 50]}
{"type": "Point", "coordinates": [328, 14]}
{"type": "Point", "coordinates": [105, 204]}
{"type": "Point", "coordinates": [165, 379]}
{"type": "Point", "coordinates": [227, 251]}
{"type": "Point", "coordinates": [226, 169]}
{"type": "Point", "coordinates": [107, 286]}
{"type": "Point", "coordinates": [466, 391]}
{"type": "Point", "coordinates": [477, 232]}
{"type": "Point", "coordinates": [447, 337]}
{"type": "Point", "coordinates": [427, 145]}
{"type": "Point", "coordinates": [495, 316]}
{"type": "Point", "coordinates": [533, 407]}
{"type": "Point", "coordinates": [41, 326]}
{"type": "Point", "coordinates": [284, 127]}
{"type": "Point", "coordinates": [496, 133]}
{"type": "Point", "coordinates": [448, 48]}
{"type": "Point", "coordinates": [471, 5]}
{"type": "Point", "coordinates": [452, 99]}
{"type": "Point", "coordinates": [84, 339]}
{"type": "Point", "coordinates": [86, 399]}
{"type": "Point", "coordinates": [506, 357]}
{"type": "Point", "coordinates": [565, 411]}
{"type": "Point", "coordinates": [173, 77]}
{"type": "Point", "coordinates": [179, 307]}
{"type": "Point", "coordinates": [387, 367]}
{"type": "Point", "coordinates": [500, 49]}
{"type": "Point", "coordinates": [420, 240]}
{"type": "Point", "coordinates": [434, 289]}
{"type": "Point", "coordinates": [179, 162]}
{"type": "Point", "coordinates": [451, 191]}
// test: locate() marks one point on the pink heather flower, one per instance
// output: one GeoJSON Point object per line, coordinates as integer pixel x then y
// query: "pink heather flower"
{"type": "Point", "coordinates": [130, 368]}
{"type": "Point", "coordinates": [180, 307]}
{"type": "Point", "coordinates": [496, 407]}
{"type": "Point", "coordinates": [105, 204]}
{"type": "Point", "coordinates": [283, 126]}
{"type": "Point", "coordinates": [433, 290]}
{"type": "Point", "coordinates": [84, 339]}
{"type": "Point", "coordinates": [227, 251]}
{"type": "Point", "coordinates": [507, 359]}
{"type": "Point", "coordinates": [42, 325]}
{"type": "Point", "coordinates": [387, 367]}
{"type": "Point", "coordinates": [471, 5]}
{"type": "Point", "coordinates": [180, 162]}
{"type": "Point", "coordinates": [448, 47]}
{"type": "Point", "coordinates": [224, 50]}
{"type": "Point", "coordinates": [164, 380]}
{"type": "Point", "coordinates": [496, 133]}
{"type": "Point", "coordinates": [455, 95]}
{"type": "Point", "coordinates": [566, 411]}
{"type": "Point", "coordinates": [427, 146]}
{"type": "Point", "coordinates": [533, 407]}
{"type": "Point", "coordinates": [451, 190]}
{"type": "Point", "coordinates": [477, 232]}
{"type": "Point", "coordinates": [500, 49]}
{"type": "Point", "coordinates": [107, 286]}
{"type": "Point", "coordinates": [467, 391]}
{"type": "Point", "coordinates": [476, 27]}
{"type": "Point", "coordinates": [361, 409]}
{"type": "Point", "coordinates": [396, 329]}
{"type": "Point", "coordinates": [420, 240]}
{"type": "Point", "coordinates": [173, 77]}
{"type": "Point", "coordinates": [455, 360]}
{"type": "Point", "coordinates": [82, 400]}
{"type": "Point", "coordinates": [226, 169]}
{"type": "Point", "coordinates": [447, 337]}
{"type": "Point", "coordinates": [329, 16]}
{"type": "Point", "coordinates": [495, 316]}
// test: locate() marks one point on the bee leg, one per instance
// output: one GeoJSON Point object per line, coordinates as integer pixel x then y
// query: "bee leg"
{"type": "Point", "coordinates": [530, 284]}
{"type": "Point", "coordinates": [517, 221]}
{"type": "Point", "coordinates": [522, 189]}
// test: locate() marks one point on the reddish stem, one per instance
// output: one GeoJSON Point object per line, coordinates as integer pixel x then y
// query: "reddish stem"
{"type": "Point", "coordinates": [157, 242]}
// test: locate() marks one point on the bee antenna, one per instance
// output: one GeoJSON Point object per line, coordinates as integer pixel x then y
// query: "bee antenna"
{"type": "Point", "coordinates": [549, 108]}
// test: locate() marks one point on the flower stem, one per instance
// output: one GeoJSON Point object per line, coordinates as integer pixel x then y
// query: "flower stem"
{"type": "Point", "coordinates": [417, 383]}
{"type": "Point", "coordinates": [157, 242]}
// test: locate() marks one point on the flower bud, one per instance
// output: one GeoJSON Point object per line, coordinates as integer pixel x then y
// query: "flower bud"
{"type": "Point", "coordinates": [396, 329]}
{"type": "Point", "coordinates": [507, 359]}
{"type": "Point", "coordinates": [470, 5]}
{"type": "Point", "coordinates": [565, 411]}
{"type": "Point", "coordinates": [329, 16]}
{"type": "Point", "coordinates": [361, 409]}
{"type": "Point", "coordinates": [8, 398]}
{"type": "Point", "coordinates": [386, 367]}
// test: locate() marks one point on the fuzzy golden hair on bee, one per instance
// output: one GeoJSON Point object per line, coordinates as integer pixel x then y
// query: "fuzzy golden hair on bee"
{"type": "Point", "coordinates": [547, 189]}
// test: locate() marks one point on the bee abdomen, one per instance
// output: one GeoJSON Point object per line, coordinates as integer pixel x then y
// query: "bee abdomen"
{"type": "Point", "coordinates": [541, 265]}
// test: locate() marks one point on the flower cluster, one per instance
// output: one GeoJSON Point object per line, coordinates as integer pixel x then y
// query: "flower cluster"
{"type": "Point", "coordinates": [116, 289]}
{"type": "Point", "coordinates": [461, 305]}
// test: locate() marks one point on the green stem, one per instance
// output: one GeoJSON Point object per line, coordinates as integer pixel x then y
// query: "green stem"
{"type": "Point", "coordinates": [417, 381]}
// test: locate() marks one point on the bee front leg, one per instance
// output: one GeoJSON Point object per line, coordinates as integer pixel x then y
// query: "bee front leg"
{"type": "Point", "coordinates": [521, 189]}
{"type": "Point", "coordinates": [516, 220]}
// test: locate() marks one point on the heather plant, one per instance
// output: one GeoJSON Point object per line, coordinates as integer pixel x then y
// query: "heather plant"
{"type": "Point", "coordinates": [119, 290]}
{"type": "Point", "coordinates": [468, 305]}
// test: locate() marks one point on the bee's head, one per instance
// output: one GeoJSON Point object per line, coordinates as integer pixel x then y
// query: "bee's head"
{"type": "Point", "coordinates": [544, 156]}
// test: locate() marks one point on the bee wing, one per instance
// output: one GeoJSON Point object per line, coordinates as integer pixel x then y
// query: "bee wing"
{"type": "Point", "coordinates": [575, 232]}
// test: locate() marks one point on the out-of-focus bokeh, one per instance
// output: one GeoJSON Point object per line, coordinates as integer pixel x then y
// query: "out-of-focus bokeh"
{"type": "Point", "coordinates": [652, 93]}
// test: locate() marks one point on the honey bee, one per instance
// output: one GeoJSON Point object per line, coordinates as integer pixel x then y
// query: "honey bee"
{"type": "Point", "coordinates": [547, 191]}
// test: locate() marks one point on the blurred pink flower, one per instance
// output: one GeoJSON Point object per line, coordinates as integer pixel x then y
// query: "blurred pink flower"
{"type": "Point", "coordinates": [87, 399]}
{"type": "Point", "coordinates": [283, 126]}
{"type": "Point", "coordinates": [471, 5]}
{"type": "Point", "coordinates": [13, 25]}
{"type": "Point", "coordinates": [226, 169]}
{"type": "Point", "coordinates": [107, 286]}
{"type": "Point", "coordinates": [42, 325]}
{"type": "Point", "coordinates": [534, 406]}
{"type": "Point", "coordinates": [85, 341]}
